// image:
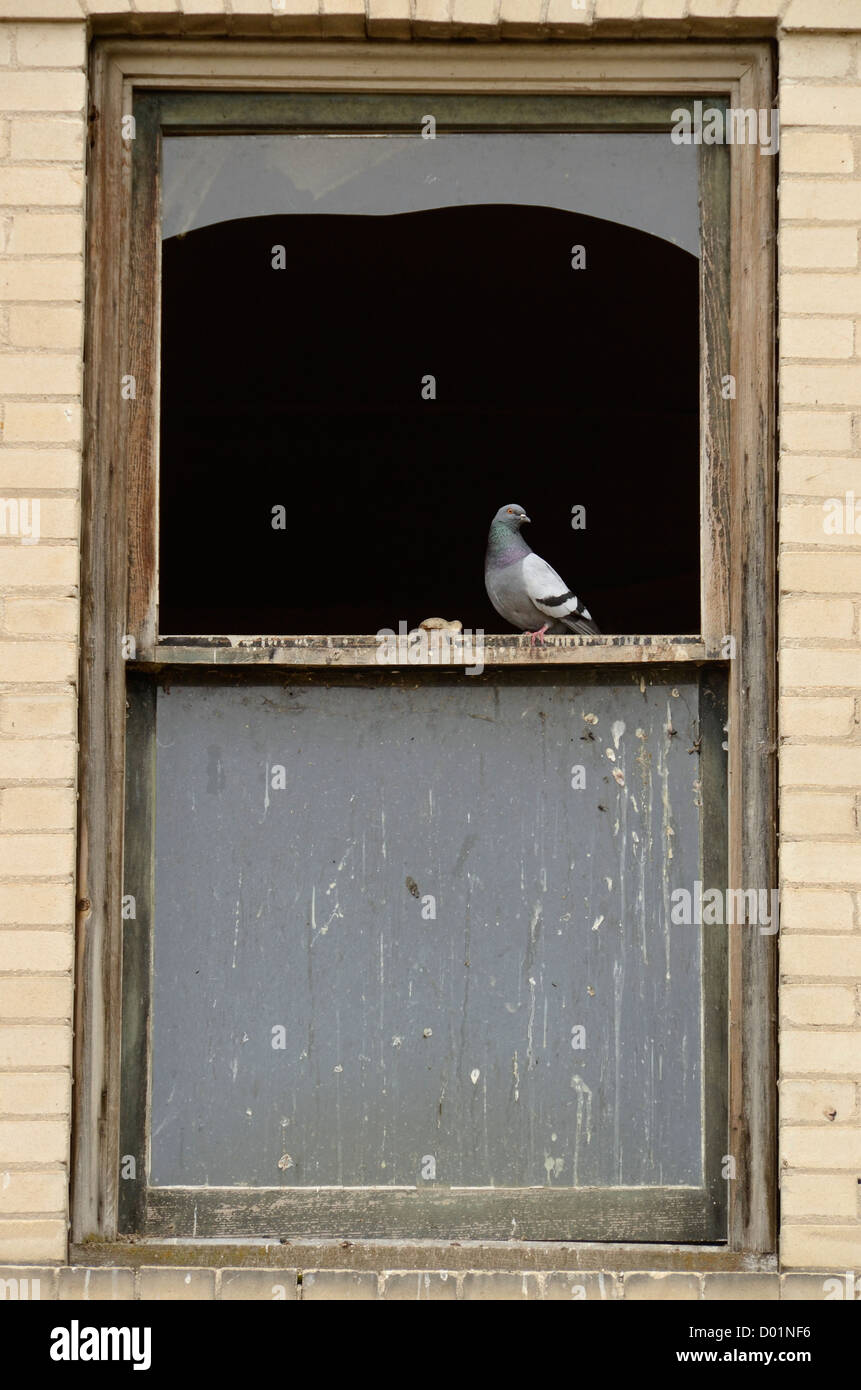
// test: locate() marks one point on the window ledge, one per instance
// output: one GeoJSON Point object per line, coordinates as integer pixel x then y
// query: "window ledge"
{"type": "Point", "coordinates": [455, 649]}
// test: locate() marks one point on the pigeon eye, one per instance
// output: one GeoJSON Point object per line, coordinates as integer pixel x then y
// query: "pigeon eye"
{"type": "Point", "coordinates": [510, 511]}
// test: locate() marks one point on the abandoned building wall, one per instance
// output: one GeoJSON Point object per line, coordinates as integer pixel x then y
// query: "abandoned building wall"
{"type": "Point", "coordinates": [43, 135]}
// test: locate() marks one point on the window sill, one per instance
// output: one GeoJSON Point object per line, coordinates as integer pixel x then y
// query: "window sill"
{"type": "Point", "coordinates": [366, 650]}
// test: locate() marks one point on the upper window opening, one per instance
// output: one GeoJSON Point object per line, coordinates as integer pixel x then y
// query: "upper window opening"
{"type": "Point", "coordinates": [407, 259]}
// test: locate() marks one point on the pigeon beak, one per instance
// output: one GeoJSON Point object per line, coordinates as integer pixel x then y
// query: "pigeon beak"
{"type": "Point", "coordinates": [524, 517]}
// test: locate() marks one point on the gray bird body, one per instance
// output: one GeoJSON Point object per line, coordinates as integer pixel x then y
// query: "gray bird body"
{"type": "Point", "coordinates": [523, 588]}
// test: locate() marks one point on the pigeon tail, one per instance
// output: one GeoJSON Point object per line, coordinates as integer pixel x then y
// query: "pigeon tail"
{"type": "Point", "coordinates": [584, 626]}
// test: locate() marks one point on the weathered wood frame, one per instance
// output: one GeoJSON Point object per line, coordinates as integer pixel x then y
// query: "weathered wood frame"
{"type": "Point", "coordinates": [119, 553]}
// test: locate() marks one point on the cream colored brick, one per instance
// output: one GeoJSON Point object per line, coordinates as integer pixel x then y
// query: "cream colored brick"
{"type": "Point", "coordinates": [46, 234]}
{"type": "Point", "coordinates": [28, 470]}
{"type": "Point", "coordinates": [122, 6]}
{"type": "Point", "coordinates": [664, 9]}
{"type": "Point", "coordinates": [818, 14]}
{"type": "Point", "coordinates": [815, 57]}
{"type": "Point", "coordinates": [108, 1285]}
{"type": "Point", "coordinates": [35, 1044]}
{"type": "Point", "coordinates": [816, 1288]}
{"type": "Point", "coordinates": [836, 956]}
{"type": "Point", "coordinates": [820, 477]}
{"type": "Point", "coordinates": [821, 294]}
{"type": "Point", "coordinates": [264, 1285]}
{"type": "Point", "coordinates": [826, 200]}
{"type": "Point", "coordinates": [815, 152]}
{"type": "Point", "coordinates": [35, 997]}
{"type": "Point", "coordinates": [816, 1052]}
{"type": "Point", "coordinates": [658, 1287]}
{"type": "Point", "coordinates": [5, 46]}
{"type": "Point", "coordinates": [467, 15]}
{"type": "Point", "coordinates": [561, 18]}
{"type": "Point", "coordinates": [832, 861]}
{"type": "Point", "coordinates": [834, 716]}
{"type": "Point", "coordinates": [616, 9]}
{"type": "Point", "coordinates": [177, 1285]}
{"type": "Point", "coordinates": [29, 904]}
{"type": "Point", "coordinates": [36, 565]}
{"type": "Point", "coordinates": [34, 279]}
{"type": "Point", "coordinates": [38, 185]}
{"type": "Point", "coordinates": [48, 9]}
{"type": "Point", "coordinates": [821, 573]}
{"type": "Point", "coordinates": [41, 616]}
{"type": "Point", "coordinates": [38, 716]}
{"type": "Point", "coordinates": [802, 103]}
{"type": "Point", "coordinates": [37, 661]}
{"type": "Point", "coordinates": [725, 1286]}
{"type": "Point", "coordinates": [822, 385]}
{"type": "Point", "coordinates": [811, 1005]}
{"type": "Point", "coordinates": [814, 910]}
{"type": "Point", "coordinates": [803, 430]}
{"type": "Point", "coordinates": [58, 518]}
{"type": "Point", "coordinates": [51, 45]}
{"type": "Point", "coordinates": [36, 950]}
{"type": "Point", "coordinates": [32, 1192]}
{"type": "Point", "coordinates": [43, 327]}
{"type": "Point", "coordinates": [805, 813]}
{"type": "Point", "coordinates": [807, 617]}
{"type": "Point", "coordinates": [812, 1102]}
{"type": "Point", "coordinates": [37, 808]}
{"type": "Point", "coordinates": [31, 1241]}
{"type": "Point", "coordinates": [560, 1286]}
{"type": "Point", "coordinates": [42, 91]}
{"type": "Point", "coordinates": [23, 856]}
{"type": "Point", "coordinates": [34, 1141]}
{"type": "Point", "coordinates": [428, 17]}
{"type": "Point", "coordinates": [476, 1286]}
{"type": "Point", "coordinates": [194, 7]}
{"type": "Point", "coordinates": [343, 1285]}
{"type": "Point", "coordinates": [40, 422]}
{"type": "Point", "coordinates": [824, 1247]}
{"type": "Point", "coordinates": [813, 337]}
{"type": "Point", "coordinates": [49, 759]}
{"type": "Point", "coordinates": [820, 666]}
{"type": "Point", "coordinates": [814, 248]}
{"type": "Point", "coordinates": [40, 374]}
{"type": "Point", "coordinates": [818, 1194]}
{"type": "Point", "coordinates": [171, 6]}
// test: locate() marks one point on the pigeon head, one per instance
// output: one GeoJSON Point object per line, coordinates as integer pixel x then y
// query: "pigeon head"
{"type": "Point", "coordinates": [513, 516]}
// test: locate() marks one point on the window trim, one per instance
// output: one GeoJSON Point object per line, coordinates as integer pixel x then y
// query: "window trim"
{"type": "Point", "coordinates": [738, 518]}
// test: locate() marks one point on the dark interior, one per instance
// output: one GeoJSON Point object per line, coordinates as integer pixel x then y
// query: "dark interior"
{"type": "Point", "coordinates": [302, 387]}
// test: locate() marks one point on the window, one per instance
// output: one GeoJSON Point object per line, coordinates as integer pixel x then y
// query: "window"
{"type": "Point", "coordinates": [397, 955]}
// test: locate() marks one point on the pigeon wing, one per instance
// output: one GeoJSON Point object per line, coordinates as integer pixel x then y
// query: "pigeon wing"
{"type": "Point", "coordinates": [549, 593]}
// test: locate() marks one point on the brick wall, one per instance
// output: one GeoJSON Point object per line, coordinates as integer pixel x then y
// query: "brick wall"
{"type": "Point", "coordinates": [42, 142]}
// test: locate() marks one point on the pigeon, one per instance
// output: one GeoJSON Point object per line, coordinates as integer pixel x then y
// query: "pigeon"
{"type": "Point", "coordinates": [523, 588]}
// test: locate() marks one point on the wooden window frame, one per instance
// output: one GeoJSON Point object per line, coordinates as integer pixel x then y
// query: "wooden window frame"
{"type": "Point", "coordinates": [120, 518]}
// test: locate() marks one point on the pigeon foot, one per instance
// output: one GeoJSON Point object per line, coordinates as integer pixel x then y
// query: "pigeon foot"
{"type": "Point", "coordinates": [539, 633]}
